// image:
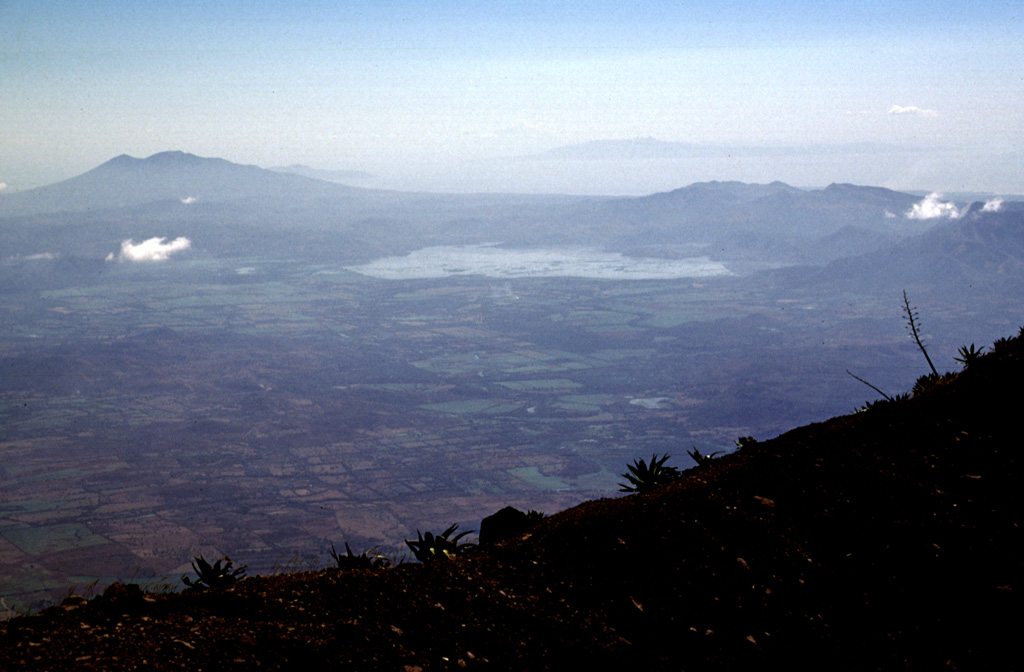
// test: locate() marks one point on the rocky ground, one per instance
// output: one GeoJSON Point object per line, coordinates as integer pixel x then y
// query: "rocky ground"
{"type": "Point", "coordinates": [888, 539]}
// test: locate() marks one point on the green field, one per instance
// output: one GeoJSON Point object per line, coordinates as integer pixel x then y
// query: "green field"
{"type": "Point", "coordinates": [51, 538]}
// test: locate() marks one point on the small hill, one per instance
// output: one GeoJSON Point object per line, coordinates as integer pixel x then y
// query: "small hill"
{"type": "Point", "coordinates": [887, 539]}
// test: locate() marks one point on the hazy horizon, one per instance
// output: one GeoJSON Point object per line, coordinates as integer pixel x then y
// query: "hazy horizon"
{"type": "Point", "coordinates": [477, 97]}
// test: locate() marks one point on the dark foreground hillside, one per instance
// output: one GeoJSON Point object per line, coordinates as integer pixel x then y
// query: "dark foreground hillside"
{"type": "Point", "coordinates": [888, 539]}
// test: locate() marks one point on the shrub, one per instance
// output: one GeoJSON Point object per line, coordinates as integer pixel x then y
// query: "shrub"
{"type": "Point", "coordinates": [928, 381]}
{"type": "Point", "coordinates": [745, 442]}
{"type": "Point", "coordinates": [643, 477]}
{"type": "Point", "coordinates": [220, 574]}
{"type": "Point", "coordinates": [430, 547]}
{"type": "Point", "coordinates": [506, 523]}
{"type": "Point", "coordinates": [1000, 344]}
{"type": "Point", "coordinates": [534, 516]}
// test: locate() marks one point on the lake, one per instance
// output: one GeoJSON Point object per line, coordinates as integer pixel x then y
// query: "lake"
{"type": "Point", "coordinates": [498, 262]}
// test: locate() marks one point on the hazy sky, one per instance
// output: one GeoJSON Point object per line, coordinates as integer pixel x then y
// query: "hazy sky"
{"type": "Point", "coordinates": [452, 95]}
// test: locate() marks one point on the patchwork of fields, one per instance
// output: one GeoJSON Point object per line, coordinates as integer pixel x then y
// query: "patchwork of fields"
{"type": "Point", "coordinates": [265, 410]}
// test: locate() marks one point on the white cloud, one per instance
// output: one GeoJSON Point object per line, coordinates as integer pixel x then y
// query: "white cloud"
{"type": "Point", "coordinates": [189, 200]}
{"type": "Point", "coordinates": [154, 249]}
{"type": "Point", "coordinates": [993, 205]}
{"type": "Point", "coordinates": [3, 186]}
{"type": "Point", "coordinates": [912, 109]}
{"type": "Point", "coordinates": [41, 256]}
{"type": "Point", "coordinates": [931, 207]}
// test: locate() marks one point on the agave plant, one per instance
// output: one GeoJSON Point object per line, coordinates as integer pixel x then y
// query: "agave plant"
{"type": "Point", "coordinates": [643, 477]}
{"type": "Point", "coordinates": [430, 547]}
{"type": "Point", "coordinates": [365, 560]}
{"type": "Point", "coordinates": [702, 459]}
{"type": "Point", "coordinates": [895, 399]}
{"type": "Point", "coordinates": [221, 574]}
{"type": "Point", "coordinates": [968, 354]}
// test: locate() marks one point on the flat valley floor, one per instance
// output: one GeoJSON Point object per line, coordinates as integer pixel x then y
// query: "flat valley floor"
{"type": "Point", "coordinates": [265, 410]}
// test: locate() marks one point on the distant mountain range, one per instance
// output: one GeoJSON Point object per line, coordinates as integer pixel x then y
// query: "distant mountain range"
{"type": "Point", "coordinates": [711, 207]}
{"type": "Point", "coordinates": [227, 207]}
{"type": "Point", "coordinates": [699, 209]}
{"type": "Point", "coordinates": [956, 257]}
{"type": "Point", "coordinates": [862, 231]}
{"type": "Point", "coordinates": [652, 148]}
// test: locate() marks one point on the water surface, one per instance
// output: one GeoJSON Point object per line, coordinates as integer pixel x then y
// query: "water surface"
{"type": "Point", "coordinates": [498, 262]}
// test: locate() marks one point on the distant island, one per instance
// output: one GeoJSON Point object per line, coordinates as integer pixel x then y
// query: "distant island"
{"type": "Point", "coordinates": [328, 175]}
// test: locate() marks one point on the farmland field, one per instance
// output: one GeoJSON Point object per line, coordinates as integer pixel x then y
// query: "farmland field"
{"type": "Point", "coordinates": [267, 409]}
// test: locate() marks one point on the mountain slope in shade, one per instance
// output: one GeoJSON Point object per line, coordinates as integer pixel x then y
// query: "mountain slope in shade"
{"type": "Point", "coordinates": [979, 251]}
{"type": "Point", "coordinates": [882, 540]}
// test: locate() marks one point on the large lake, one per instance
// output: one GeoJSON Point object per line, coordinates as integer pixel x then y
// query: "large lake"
{"type": "Point", "coordinates": [498, 262]}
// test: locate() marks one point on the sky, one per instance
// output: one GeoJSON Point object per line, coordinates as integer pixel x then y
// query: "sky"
{"type": "Point", "coordinates": [468, 96]}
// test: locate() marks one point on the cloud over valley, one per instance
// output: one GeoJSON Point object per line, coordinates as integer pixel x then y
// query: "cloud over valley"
{"type": "Point", "coordinates": [932, 208]}
{"type": "Point", "coordinates": [152, 249]}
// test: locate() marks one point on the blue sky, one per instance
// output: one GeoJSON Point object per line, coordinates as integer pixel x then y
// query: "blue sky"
{"type": "Point", "coordinates": [452, 95]}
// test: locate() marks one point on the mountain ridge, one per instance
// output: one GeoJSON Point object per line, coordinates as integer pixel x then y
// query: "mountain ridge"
{"type": "Point", "coordinates": [218, 203]}
{"type": "Point", "coordinates": [955, 257]}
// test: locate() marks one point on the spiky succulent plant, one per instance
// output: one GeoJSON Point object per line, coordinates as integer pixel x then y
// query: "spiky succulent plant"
{"type": "Point", "coordinates": [969, 354]}
{"type": "Point", "coordinates": [221, 574]}
{"type": "Point", "coordinates": [643, 477]}
{"type": "Point", "coordinates": [430, 547]}
{"type": "Point", "coordinates": [701, 458]}
{"type": "Point", "coordinates": [365, 560]}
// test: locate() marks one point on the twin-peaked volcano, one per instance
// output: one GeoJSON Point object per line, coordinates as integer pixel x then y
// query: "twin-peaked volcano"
{"type": "Point", "coordinates": [125, 181]}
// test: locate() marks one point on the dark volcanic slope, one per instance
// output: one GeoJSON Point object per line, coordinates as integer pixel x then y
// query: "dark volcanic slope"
{"type": "Point", "coordinates": [883, 540]}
